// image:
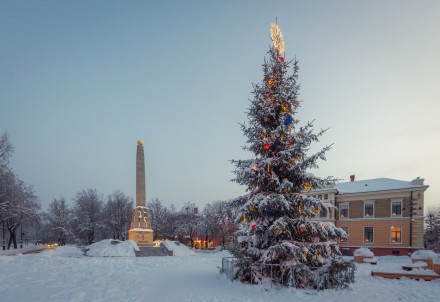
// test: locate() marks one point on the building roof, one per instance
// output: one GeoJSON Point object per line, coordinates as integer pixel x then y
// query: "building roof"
{"type": "Point", "coordinates": [376, 184]}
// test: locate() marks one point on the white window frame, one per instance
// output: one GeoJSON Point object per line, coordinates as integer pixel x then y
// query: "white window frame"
{"type": "Point", "coordinates": [348, 210]}
{"type": "Point", "coordinates": [401, 207]}
{"type": "Point", "coordinates": [368, 202]}
{"type": "Point", "coordinates": [391, 234]}
{"type": "Point", "coordinates": [369, 242]}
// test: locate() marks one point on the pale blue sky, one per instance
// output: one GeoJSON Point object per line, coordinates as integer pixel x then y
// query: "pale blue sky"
{"type": "Point", "coordinates": [82, 81]}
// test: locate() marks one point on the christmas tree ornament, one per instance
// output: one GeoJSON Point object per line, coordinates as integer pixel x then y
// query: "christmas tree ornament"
{"type": "Point", "coordinates": [288, 120]}
{"type": "Point", "coordinates": [284, 107]}
{"type": "Point", "coordinates": [244, 218]}
{"type": "Point", "coordinates": [271, 210]}
{"type": "Point", "coordinates": [291, 143]}
{"type": "Point", "coordinates": [307, 186]}
{"type": "Point", "coordinates": [281, 59]}
{"type": "Point", "coordinates": [266, 147]}
{"type": "Point", "coordinates": [302, 228]}
{"type": "Point", "coordinates": [270, 82]}
{"type": "Point", "coordinates": [254, 226]}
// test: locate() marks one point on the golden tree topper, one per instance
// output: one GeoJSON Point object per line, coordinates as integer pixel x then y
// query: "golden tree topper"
{"type": "Point", "coordinates": [277, 38]}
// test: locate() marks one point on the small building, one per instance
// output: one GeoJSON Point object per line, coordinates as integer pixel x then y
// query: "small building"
{"type": "Point", "coordinates": [385, 215]}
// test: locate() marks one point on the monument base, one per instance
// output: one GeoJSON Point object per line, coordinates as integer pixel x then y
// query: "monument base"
{"type": "Point", "coordinates": [141, 236]}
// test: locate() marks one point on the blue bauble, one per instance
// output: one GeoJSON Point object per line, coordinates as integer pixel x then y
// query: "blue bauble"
{"type": "Point", "coordinates": [288, 120]}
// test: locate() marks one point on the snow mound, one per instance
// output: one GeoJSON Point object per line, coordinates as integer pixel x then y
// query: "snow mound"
{"type": "Point", "coordinates": [424, 254]}
{"type": "Point", "coordinates": [106, 248]}
{"type": "Point", "coordinates": [363, 251]}
{"type": "Point", "coordinates": [178, 249]}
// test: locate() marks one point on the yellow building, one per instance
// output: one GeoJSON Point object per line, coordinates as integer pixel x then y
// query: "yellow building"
{"type": "Point", "coordinates": [385, 215]}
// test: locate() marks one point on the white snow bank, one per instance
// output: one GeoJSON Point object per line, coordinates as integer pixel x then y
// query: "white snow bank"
{"type": "Point", "coordinates": [424, 254]}
{"type": "Point", "coordinates": [105, 248]}
{"type": "Point", "coordinates": [178, 249]}
{"type": "Point", "coordinates": [363, 251]}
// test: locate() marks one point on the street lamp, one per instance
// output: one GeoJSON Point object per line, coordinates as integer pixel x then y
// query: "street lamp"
{"type": "Point", "coordinates": [4, 239]}
{"type": "Point", "coordinates": [21, 236]}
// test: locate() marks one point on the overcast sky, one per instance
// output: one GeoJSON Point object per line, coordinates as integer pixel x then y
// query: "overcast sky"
{"type": "Point", "coordinates": [82, 81]}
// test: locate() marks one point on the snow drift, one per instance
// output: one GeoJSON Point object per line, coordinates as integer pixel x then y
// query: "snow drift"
{"type": "Point", "coordinates": [178, 248]}
{"type": "Point", "coordinates": [106, 248]}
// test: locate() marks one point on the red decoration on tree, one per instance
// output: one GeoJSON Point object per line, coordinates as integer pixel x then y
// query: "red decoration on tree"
{"type": "Point", "coordinates": [254, 227]}
{"type": "Point", "coordinates": [281, 59]}
{"type": "Point", "coordinates": [291, 143]}
{"type": "Point", "coordinates": [266, 147]}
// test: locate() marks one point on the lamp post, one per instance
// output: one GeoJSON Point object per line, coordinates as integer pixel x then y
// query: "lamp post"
{"type": "Point", "coordinates": [3, 237]}
{"type": "Point", "coordinates": [21, 236]}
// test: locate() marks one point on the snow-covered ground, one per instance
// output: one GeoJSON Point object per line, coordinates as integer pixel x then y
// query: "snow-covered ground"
{"type": "Point", "coordinates": [64, 274]}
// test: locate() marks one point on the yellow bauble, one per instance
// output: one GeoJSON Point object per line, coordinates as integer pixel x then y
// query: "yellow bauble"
{"type": "Point", "coordinates": [307, 186]}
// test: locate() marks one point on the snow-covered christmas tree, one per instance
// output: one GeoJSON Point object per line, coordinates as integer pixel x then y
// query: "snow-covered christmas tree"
{"type": "Point", "coordinates": [279, 237]}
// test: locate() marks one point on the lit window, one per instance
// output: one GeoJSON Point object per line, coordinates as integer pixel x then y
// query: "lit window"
{"type": "Point", "coordinates": [368, 235]}
{"type": "Point", "coordinates": [343, 239]}
{"type": "Point", "coordinates": [343, 211]}
{"type": "Point", "coordinates": [396, 234]}
{"type": "Point", "coordinates": [368, 209]}
{"type": "Point", "coordinates": [396, 208]}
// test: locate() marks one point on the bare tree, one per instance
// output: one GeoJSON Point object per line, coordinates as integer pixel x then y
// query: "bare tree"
{"type": "Point", "coordinates": [224, 217]}
{"type": "Point", "coordinates": [187, 220]}
{"type": "Point", "coordinates": [163, 220]}
{"type": "Point", "coordinates": [88, 214]}
{"type": "Point", "coordinates": [208, 223]}
{"type": "Point", "coordinates": [6, 150]}
{"type": "Point", "coordinates": [60, 218]}
{"type": "Point", "coordinates": [117, 214]}
{"type": "Point", "coordinates": [20, 205]}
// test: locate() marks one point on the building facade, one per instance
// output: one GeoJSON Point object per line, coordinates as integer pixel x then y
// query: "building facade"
{"type": "Point", "coordinates": [385, 215]}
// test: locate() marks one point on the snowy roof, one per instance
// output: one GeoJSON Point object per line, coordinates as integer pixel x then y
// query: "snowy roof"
{"type": "Point", "coordinates": [373, 185]}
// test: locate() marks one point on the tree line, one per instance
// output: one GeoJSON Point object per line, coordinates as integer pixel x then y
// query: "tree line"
{"type": "Point", "coordinates": [90, 216]}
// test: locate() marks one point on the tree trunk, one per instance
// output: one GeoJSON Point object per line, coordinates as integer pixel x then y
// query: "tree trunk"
{"type": "Point", "coordinates": [12, 238]}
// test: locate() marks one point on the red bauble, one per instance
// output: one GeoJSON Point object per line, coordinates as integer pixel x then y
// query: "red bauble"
{"type": "Point", "coordinates": [291, 143]}
{"type": "Point", "coordinates": [254, 227]}
{"type": "Point", "coordinates": [281, 59]}
{"type": "Point", "coordinates": [266, 147]}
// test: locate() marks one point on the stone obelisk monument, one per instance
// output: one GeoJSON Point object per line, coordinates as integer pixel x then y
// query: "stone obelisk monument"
{"type": "Point", "coordinates": [140, 227]}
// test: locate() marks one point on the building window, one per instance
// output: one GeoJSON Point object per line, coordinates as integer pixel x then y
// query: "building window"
{"type": "Point", "coordinates": [396, 208]}
{"type": "Point", "coordinates": [368, 235]}
{"type": "Point", "coordinates": [325, 196]}
{"type": "Point", "coordinates": [343, 240]}
{"type": "Point", "coordinates": [322, 214]}
{"type": "Point", "coordinates": [343, 211]}
{"type": "Point", "coordinates": [396, 234]}
{"type": "Point", "coordinates": [320, 197]}
{"type": "Point", "coordinates": [369, 209]}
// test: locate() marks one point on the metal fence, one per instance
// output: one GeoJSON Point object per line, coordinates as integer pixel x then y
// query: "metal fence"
{"type": "Point", "coordinates": [269, 278]}
{"type": "Point", "coordinates": [269, 275]}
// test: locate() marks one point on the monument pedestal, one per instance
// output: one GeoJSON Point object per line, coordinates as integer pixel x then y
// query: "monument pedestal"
{"type": "Point", "coordinates": [141, 236]}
